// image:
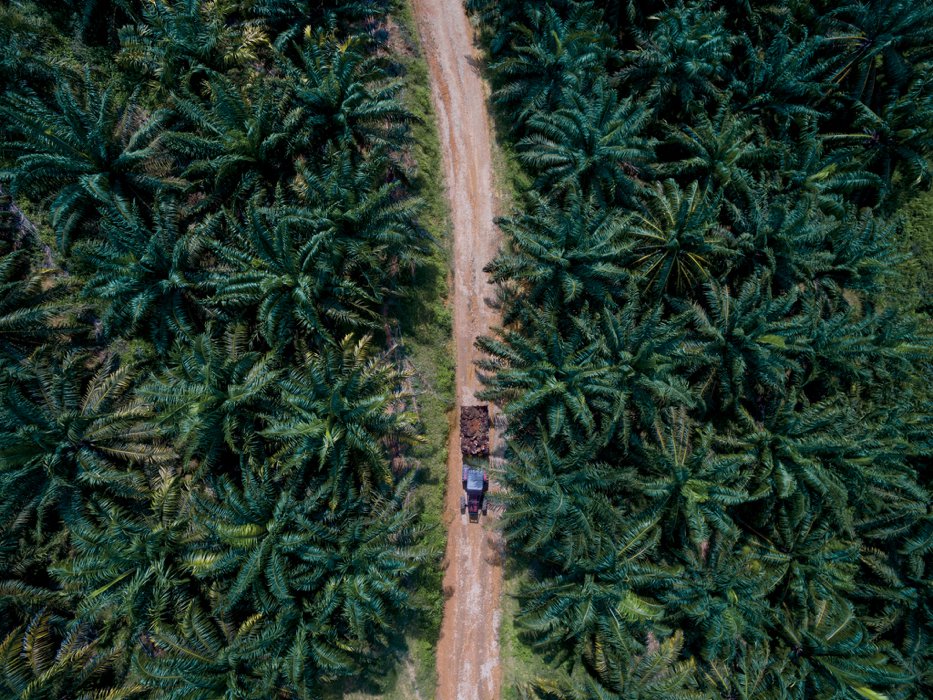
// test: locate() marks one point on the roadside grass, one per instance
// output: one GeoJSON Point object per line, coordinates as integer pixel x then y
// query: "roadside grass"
{"type": "Point", "coordinates": [911, 287]}
{"type": "Point", "coordinates": [521, 664]}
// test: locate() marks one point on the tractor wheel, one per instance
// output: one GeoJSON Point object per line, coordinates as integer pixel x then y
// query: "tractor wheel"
{"type": "Point", "coordinates": [485, 509]}
{"type": "Point", "coordinates": [462, 505]}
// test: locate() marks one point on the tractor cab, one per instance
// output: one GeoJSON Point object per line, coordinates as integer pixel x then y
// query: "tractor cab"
{"type": "Point", "coordinates": [476, 484]}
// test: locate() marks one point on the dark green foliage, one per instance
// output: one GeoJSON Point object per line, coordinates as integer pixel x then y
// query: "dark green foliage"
{"type": "Point", "coordinates": [548, 58]}
{"type": "Point", "coordinates": [139, 274]}
{"type": "Point", "coordinates": [30, 312]}
{"type": "Point", "coordinates": [590, 146]}
{"type": "Point", "coordinates": [715, 475]}
{"type": "Point", "coordinates": [90, 148]}
{"type": "Point", "coordinates": [344, 97]}
{"type": "Point", "coordinates": [206, 483]}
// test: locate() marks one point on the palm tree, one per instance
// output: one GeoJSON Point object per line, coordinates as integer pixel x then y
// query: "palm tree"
{"type": "Point", "coordinates": [587, 378]}
{"type": "Point", "coordinates": [563, 254]}
{"type": "Point", "coordinates": [593, 145]}
{"type": "Point", "coordinates": [555, 373]}
{"type": "Point", "coordinates": [363, 221]}
{"type": "Point", "coordinates": [341, 409]}
{"type": "Point", "coordinates": [676, 237]}
{"type": "Point", "coordinates": [202, 657]}
{"type": "Point", "coordinates": [586, 602]}
{"type": "Point", "coordinates": [125, 567]}
{"type": "Point", "coordinates": [549, 57]}
{"type": "Point", "coordinates": [33, 309]}
{"type": "Point", "coordinates": [673, 473]}
{"type": "Point", "coordinates": [285, 19]}
{"type": "Point", "coordinates": [278, 268]}
{"type": "Point", "coordinates": [210, 395]}
{"type": "Point", "coordinates": [90, 149]}
{"type": "Point", "coordinates": [683, 61]}
{"type": "Point", "coordinates": [72, 431]}
{"type": "Point", "coordinates": [897, 138]}
{"type": "Point", "coordinates": [720, 598]}
{"type": "Point", "coordinates": [45, 660]}
{"type": "Point", "coordinates": [141, 274]}
{"type": "Point", "coordinates": [559, 504]}
{"type": "Point", "coordinates": [179, 43]}
{"type": "Point", "coordinates": [326, 582]}
{"type": "Point", "coordinates": [237, 144]}
{"type": "Point", "coordinates": [616, 672]}
{"type": "Point", "coordinates": [747, 345]}
{"type": "Point", "coordinates": [879, 45]}
{"type": "Point", "coordinates": [834, 654]}
{"type": "Point", "coordinates": [719, 152]}
{"type": "Point", "coordinates": [786, 81]}
{"type": "Point", "coordinates": [341, 96]}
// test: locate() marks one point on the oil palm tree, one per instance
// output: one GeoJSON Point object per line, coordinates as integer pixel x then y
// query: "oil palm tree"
{"type": "Point", "coordinates": [48, 659]}
{"type": "Point", "coordinates": [286, 19]}
{"type": "Point", "coordinates": [615, 671]}
{"type": "Point", "coordinates": [72, 429]}
{"type": "Point", "coordinates": [179, 43]}
{"type": "Point", "coordinates": [210, 394]}
{"type": "Point", "coordinates": [327, 581]}
{"type": "Point", "coordinates": [143, 274]}
{"type": "Point", "coordinates": [748, 344]}
{"type": "Point", "coordinates": [683, 61]}
{"type": "Point", "coordinates": [720, 152]}
{"type": "Point", "coordinates": [236, 144]}
{"type": "Point", "coordinates": [879, 45]}
{"type": "Point", "coordinates": [341, 407]}
{"type": "Point", "coordinates": [126, 568]}
{"type": "Point", "coordinates": [563, 254]}
{"type": "Point", "coordinates": [341, 96]}
{"type": "Point", "coordinates": [276, 268]}
{"type": "Point", "coordinates": [90, 148]}
{"type": "Point", "coordinates": [673, 472]}
{"type": "Point", "coordinates": [549, 57]}
{"type": "Point", "coordinates": [33, 306]}
{"type": "Point", "coordinates": [594, 145]}
{"type": "Point", "coordinates": [676, 237]}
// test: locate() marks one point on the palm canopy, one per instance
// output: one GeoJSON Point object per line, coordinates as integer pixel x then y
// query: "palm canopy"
{"type": "Point", "coordinates": [180, 42]}
{"type": "Point", "coordinates": [593, 145]}
{"type": "Point", "coordinates": [89, 148]}
{"type": "Point", "coordinates": [550, 57]}
{"type": "Point", "coordinates": [317, 587]}
{"type": "Point", "coordinates": [142, 273]}
{"type": "Point", "coordinates": [880, 43]}
{"type": "Point", "coordinates": [341, 409]}
{"type": "Point", "coordinates": [586, 378]}
{"type": "Point", "coordinates": [561, 254]}
{"type": "Point", "coordinates": [236, 142]}
{"type": "Point", "coordinates": [276, 270]}
{"type": "Point", "coordinates": [676, 237]}
{"type": "Point", "coordinates": [683, 61]}
{"type": "Point", "coordinates": [71, 430]}
{"type": "Point", "coordinates": [341, 96]}
{"type": "Point", "coordinates": [210, 394]}
{"type": "Point", "coordinates": [32, 306]}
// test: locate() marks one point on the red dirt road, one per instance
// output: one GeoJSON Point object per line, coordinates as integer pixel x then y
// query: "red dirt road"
{"type": "Point", "coordinates": [468, 650]}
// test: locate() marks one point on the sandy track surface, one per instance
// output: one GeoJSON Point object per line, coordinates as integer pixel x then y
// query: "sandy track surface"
{"type": "Point", "coordinates": [468, 651]}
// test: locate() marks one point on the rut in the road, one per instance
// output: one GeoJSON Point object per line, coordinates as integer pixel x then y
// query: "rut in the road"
{"type": "Point", "coordinates": [468, 651]}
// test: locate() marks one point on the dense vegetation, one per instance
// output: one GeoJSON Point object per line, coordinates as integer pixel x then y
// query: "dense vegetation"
{"type": "Point", "coordinates": [719, 410]}
{"type": "Point", "coordinates": [207, 224]}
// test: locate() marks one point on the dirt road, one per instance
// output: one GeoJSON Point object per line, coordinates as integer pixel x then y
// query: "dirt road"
{"type": "Point", "coordinates": [468, 651]}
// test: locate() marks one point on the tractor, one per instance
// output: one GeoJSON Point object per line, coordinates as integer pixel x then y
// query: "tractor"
{"type": "Point", "coordinates": [476, 484]}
